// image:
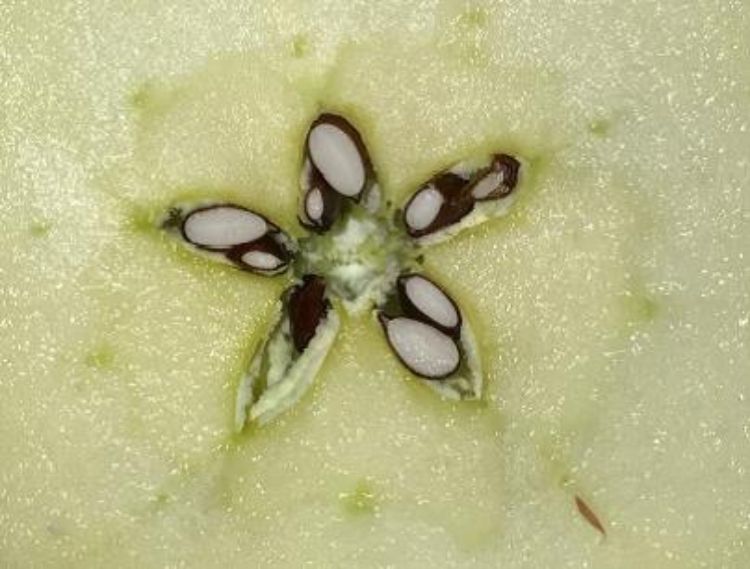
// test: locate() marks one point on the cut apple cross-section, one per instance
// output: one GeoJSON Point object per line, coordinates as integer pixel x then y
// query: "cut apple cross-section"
{"type": "Point", "coordinates": [357, 257]}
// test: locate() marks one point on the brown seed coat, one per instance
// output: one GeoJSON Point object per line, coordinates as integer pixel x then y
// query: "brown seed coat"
{"type": "Point", "coordinates": [307, 308]}
{"type": "Point", "coordinates": [588, 514]}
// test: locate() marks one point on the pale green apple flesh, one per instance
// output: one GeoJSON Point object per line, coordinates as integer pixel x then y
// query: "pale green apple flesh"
{"type": "Point", "coordinates": [611, 305]}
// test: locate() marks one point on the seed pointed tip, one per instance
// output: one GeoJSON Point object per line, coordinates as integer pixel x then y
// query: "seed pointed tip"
{"type": "Point", "coordinates": [383, 318]}
{"type": "Point", "coordinates": [403, 277]}
{"type": "Point", "coordinates": [510, 167]}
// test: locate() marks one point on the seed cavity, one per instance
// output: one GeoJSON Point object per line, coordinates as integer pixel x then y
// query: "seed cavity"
{"type": "Point", "coordinates": [454, 197]}
{"type": "Point", "coordinates": [424, 300]}
{"type": "Point", "coordinates": [221, 227]}
{"type": "Point", "coordinates": [425, 350]}
{"type": "Point", "coordinates": [336, 150]}
{"type": "Point", "coordinates": [357, 254]}
{"type": "Point", "coordinates": [286, 363]}
{"type": "Point", "coordinates": [425, 329]}
{"type": "Point", "coordinates": [233, 234]}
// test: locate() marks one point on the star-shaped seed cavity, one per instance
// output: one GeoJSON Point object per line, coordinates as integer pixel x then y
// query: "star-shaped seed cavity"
{"type": "Point", "coordinates": [359, 256]}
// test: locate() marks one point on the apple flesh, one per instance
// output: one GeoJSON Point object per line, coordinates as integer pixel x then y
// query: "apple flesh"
{"type": "Point", "coordinates": [611, 306]}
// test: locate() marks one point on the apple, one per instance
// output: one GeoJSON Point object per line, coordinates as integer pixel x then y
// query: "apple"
{"type": "Point", "coordinates": [610, 305]}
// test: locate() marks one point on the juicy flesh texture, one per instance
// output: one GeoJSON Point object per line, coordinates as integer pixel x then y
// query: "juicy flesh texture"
{"type": "Point", "coordinates": [611, 305]}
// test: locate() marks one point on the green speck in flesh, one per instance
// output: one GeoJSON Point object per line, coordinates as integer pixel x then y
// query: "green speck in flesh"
{"type": "Point", "coordinates": [159, 502]}
{"type": "Point", "coordinates": [474, 18]}
{"type": "Point", "coordinates": [600, 127]}
{"type": "Point", "coordinates": [641, 308]}
{"type": "Point", "coordinates": [101, 357]}
{"type": "Point", "coordinates": [151, 99]}
{"type": "Point", "coordinates": [638, 305]}
{"type": "Point", "coordinates": [361, 500]}
{"type": "Point", "coordinates": [300, 46]}
{"type": "Point", "coordinates": [40, 229]}
{"type": "Point", "coordinates": [141, 220]}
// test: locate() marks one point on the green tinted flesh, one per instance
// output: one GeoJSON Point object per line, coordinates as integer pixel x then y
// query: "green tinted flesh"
{"type": "Point", "coordinates": [610, 306]}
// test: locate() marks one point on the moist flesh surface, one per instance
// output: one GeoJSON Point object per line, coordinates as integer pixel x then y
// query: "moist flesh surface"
{"type": "Point", "coordinates": [611, 305]}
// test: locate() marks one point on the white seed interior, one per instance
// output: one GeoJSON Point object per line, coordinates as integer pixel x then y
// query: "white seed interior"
{"type": "Point", "coordinates": [424, 349]}
{"type": "Point", "coordinates": [424, 208]}
{"type": "Point", "coordinates": [224, 227]}
{"type": "Point", "coordinates": [644, 414]}
{"type": "Point", "coordinates": [262, 260]}
{"type": "Point", "coordinates": [488, 184]}
{"type": "Point", "coordinates": [314, 204]}
{"type": "Point", "coordinates": [431, 301]}
{"type": "Point", "coordinates": [337, 157]}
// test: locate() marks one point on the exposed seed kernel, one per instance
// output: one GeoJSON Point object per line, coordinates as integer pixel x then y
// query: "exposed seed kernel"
{"type": "Point", "coordinates": [223, 226]}
{"type": "Point", "coordinates": [321, 205]}
{"type": "Point", "coordinates": [424, 209]}
{"type": "Point", "coordinates": [267, 255]}
{"type": "Point", "coordinates": [425, 350]}
{"type": "Point", "coordinates": [424, 300]}
{"type": "Point", "coordinates": [314, 205]}
{"type": "Point", "coordinates": [441, 202]}
{"type": "Point", "coordinates": [448, 198]}
{"type": "Point", "coordinates": [426, 331]}
{"type": "Point", "coordinates": [336, 150]}
{"type": "Point", "coordinates": [497, 181]}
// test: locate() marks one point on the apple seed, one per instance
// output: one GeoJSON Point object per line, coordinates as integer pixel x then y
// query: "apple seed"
{"type": "Point", "coordinates": [422, 348]}
{"type": "Point", "coordinates": [223, 226]}
{"type": "Point", "coordinates": [424, 300]}
{"type": "Point", "coordinates": [336, 150]}
{"type": "Point", "coordinates": [267, 255]}
{"type": "Point", "coordinates": [307, 306]}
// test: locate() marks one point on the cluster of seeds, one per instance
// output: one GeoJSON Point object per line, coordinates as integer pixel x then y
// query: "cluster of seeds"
{"type": "Point", "coordinates": [423, 325]}
{"type": "Point", "coordinates": [425, 332]}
